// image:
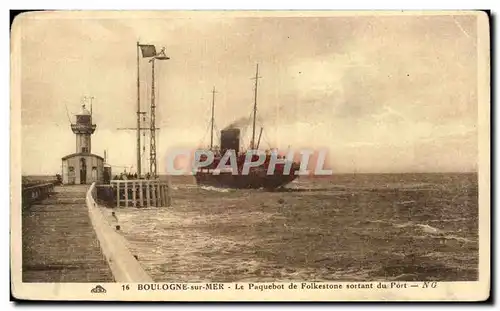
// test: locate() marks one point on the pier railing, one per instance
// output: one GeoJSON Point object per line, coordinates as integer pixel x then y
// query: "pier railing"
{"type": "Point", "coordinates": [36, 193]}
{"type": "Point", "coordinates": [137, 193]}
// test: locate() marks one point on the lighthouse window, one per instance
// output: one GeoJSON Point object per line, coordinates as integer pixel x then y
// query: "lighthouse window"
{"type": "Point", "coordinates": [83, 119]}
{"type": "Point", "coordinates": [85, 149]}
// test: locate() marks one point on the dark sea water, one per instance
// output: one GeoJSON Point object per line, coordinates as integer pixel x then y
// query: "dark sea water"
{"type": "Point", "coordinates": [362, 227]}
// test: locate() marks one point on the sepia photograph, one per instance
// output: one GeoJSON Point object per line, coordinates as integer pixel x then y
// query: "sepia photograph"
{"type": "Point", "coordinates": [240, 155]}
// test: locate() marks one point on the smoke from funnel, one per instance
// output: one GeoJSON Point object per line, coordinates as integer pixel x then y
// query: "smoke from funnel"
{"type": "Point", "coordinates": [239, 123]}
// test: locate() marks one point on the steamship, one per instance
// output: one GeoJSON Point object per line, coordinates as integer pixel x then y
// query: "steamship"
{"type": "Point", "coordinates": [257, 177]}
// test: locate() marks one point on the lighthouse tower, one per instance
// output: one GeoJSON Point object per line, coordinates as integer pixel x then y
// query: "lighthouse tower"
{"type": "Point", "coordinates": [82, 167]}
{"type": "Point", "coordinates": [83, 130]}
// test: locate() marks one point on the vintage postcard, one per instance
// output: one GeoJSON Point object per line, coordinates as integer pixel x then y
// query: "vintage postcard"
{"type": "Point", "coordinates": [250, 156]}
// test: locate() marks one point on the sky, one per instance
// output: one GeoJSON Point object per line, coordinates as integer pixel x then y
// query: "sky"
{"type": "Point", "coordinates": [382, 93]}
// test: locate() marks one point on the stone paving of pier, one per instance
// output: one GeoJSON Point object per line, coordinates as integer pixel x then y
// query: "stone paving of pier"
{"type": "Point", "coordinates": [59, 243]}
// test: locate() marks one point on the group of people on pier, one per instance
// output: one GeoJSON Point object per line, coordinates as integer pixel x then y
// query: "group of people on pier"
{"type": "Point", "coordinates": [130, 176]}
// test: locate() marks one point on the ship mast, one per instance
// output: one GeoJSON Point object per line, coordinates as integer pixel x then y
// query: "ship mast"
{"type": "Point", "coordinates": [152, 130]}
{"type": "Point", "coordinates": [138, 115]}
{"type": "Point", "coordinates": [255, 106]}
{"type": "Point", "coordinates": [212, 121]}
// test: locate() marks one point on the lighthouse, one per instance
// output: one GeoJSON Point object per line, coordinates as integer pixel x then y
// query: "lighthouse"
{"type": "Point", "coordinates": [82, 167]}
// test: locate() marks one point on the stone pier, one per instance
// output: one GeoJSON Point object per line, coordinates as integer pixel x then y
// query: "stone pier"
{"type": "Point", "coordinates": [59, 242]}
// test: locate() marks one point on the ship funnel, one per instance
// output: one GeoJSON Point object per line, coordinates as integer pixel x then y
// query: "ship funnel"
{"type": "Point", "coordinates": [230, 140]}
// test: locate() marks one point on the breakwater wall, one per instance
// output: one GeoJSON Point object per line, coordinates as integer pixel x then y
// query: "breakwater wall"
{"type": "Point", "coordinates": [123, 264]}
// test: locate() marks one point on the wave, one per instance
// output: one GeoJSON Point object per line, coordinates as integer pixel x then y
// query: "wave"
{"type": "Point", "coordinates": [301, 189]}
{"type": "Point", "coordinates": [428, 229]}
{"type": "Point", "coordinates": [434, 232]}
{"type": "Point", "coordinates": [210, 188]}
{"type": "Point", "coordinates": [460, 219]}
{"type": "Point", "coordinates": [406, 202]}
{"type": "Point", "coordinates": [184, 186]}
{"type": "Point", "coordinates": [375, 221]}
{"type": "Point", "coordinates": [458, 238]}
{"type": "Point", "coordinates": [423, 227]}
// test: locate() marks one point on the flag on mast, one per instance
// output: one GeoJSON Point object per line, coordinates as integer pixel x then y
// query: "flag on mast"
{"type": "Point", "coordinates": [148, 50]}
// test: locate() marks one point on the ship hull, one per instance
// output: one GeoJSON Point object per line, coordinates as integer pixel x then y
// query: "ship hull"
{"type": "Point", "coordinates": [228, 180]}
